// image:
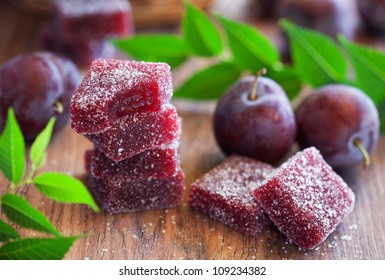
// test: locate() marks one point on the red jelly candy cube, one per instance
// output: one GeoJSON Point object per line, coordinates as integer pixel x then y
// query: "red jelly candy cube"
{"type": "Point", "coordinates": [115, 88]}
{"type": "Point", "coordinates": [305, 198]}
{"type": "Point", "coordinates": [83, 51]}
{"type": "Point", "coordinates": [224, 194]}
{"type": "Point", "coordinates": [154, 164]}
{"type": "Point", "coordinates": [94, 18]}
{"type": "Point", "coordinates": [139, 132]}
{"type": "Point", "coordinates": [116, 195]}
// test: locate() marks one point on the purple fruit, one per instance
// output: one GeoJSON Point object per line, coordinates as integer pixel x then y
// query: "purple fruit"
{"type": "Point", "coordinates": [37, 86]}
{"type": "Point", "coordinates": [372, 12]}
{"type": "Point", "coordinates": [265, 8]}
{"type": "Point", "coordinates": [341, 121]}
{"type": "Point", "coordinates": [254, 118]}
{"type": "Point", "coordinates": [331, 17]}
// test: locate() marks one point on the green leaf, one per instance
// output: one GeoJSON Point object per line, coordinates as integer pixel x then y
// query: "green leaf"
{"type": "Point", "coordinates": [64, 188]}
{"type": "Point", "coordinates": [317, 58]}
{"type": "Point", "coordinates": [18, 210]}
{"type": "Point", "coordinates": [381, 112]}
{"type": "Point", "coordinates": [288, 79]}
{"type": "Point", "coordinates": [251, 50]}
{"type": "Point", "coordinates": [166, 48]}
{"type": "Point", "coordinates": [12, 146]}
{"type": "Point", "coordinates": [39, 146]}
{"type": "Point", "coordinates": [369, 68]}
{"type": "Point", "coordinates": [209, 83]}
{"type": "Point", "coordinates": [37, 248]}
{"type": "Point", "coordinates": [7, 232]}
{"type": "Point", "coordinates": [200, 33]}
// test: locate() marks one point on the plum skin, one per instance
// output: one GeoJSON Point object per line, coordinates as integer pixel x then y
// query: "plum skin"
{"type": "Point", "coordinates": [31, 84]}
{"type": "Point", "coordinates": [263, 128]}
{"type": "Point", "coordinates": [372, 13]}
{"type": "Point", "coordinates": [328, 16]}
{"type": "Point", "coordinates": [332, 118]}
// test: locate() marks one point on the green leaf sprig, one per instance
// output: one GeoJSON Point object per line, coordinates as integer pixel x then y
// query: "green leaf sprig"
{"type": "Point", "coordinates": [56, 186]}
{"type": "Point", "coordinates": [238, 48]}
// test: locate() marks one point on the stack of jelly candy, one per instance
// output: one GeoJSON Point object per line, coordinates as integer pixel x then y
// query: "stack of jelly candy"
{"type": "Point", "coordinates": [78, 29]}
{"type": "Point", "coordinates": [123, 107]}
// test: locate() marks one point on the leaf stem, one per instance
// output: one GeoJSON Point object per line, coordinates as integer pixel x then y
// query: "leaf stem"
{"type": "Point", "coordinates": [253, 93]}
{"type": "Point", "coordinates": [58, 107]}
{"type": "Point", "coordinates": [357, 142]}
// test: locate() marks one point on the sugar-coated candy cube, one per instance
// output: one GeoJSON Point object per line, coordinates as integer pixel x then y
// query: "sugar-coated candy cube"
{"type": "Point", "coordinates": [157, 163]}
{"type": "Point", "coordinates": [116, 195]}
{"type": "Point", "coordinates": [83, 51]}
{"type": "Point", "coordinates": [93, 18]}
{"type": "Point", "coordinates": [305, 198]}
{"type": "Point", "coordinates": [139, 132]}
{"type": "Point", "coordinates": [224, 194]}
{"type": "Point", "coordinates": [114, 88]}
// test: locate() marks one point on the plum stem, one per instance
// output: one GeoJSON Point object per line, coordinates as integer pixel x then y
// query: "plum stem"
{"type": "Point", "coordinates": [357, 142]}
{"type": "Point", "coordinates": [253, 93]}
{"type": "Point", "coordinates": [58, 107]}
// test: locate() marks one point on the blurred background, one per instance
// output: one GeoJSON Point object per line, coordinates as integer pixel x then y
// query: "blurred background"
{"type": "Point", "coordinates": [361, 20]}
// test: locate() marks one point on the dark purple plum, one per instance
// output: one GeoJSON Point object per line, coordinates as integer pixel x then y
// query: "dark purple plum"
{"type": "Point", "coordinates": [265, 8]}
{"type": "Point", "coordinates": [254, 118]}
{"type": "Point", "coordinates": [372, 12]}
{"type": "Point", "coordinates": [37, 86]}
{"type": "Point", "coordinates": [341, 122]}
{"type": "Point", "coordinates": [331, 17]}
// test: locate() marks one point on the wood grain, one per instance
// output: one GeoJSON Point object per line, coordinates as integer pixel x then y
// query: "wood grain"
{"type": "Point", "coordinates": [145, 12]}
{"type": "Point", "coordinates": [182, 233]}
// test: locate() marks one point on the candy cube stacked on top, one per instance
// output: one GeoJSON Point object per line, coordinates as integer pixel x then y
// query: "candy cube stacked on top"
{"type": "Point", "coordinates": [123, 108]}
{"type": "Point", "coordinates": [78, 28]}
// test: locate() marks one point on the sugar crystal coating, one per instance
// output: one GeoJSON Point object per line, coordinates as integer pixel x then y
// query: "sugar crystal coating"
{"type": "Point", "coordinates": [79, 29]}
{"type": "Point", "coordinates": [114, 88]}
{"type": "Point", "coordinates": [157, 163]}
{"type": "Point", "coordinates": [225, 194]}
{"type": "Point", "coordinates": [94, 18]}
{"type": "Point", "coordinates": [138, 132]}
{"type": "Point", "coordinates": [116, 195]}
{"type": "Point", "coordinates": [305, 198]}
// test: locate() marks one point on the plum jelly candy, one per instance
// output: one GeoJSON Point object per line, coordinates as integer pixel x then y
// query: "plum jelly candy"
{"type": "Point", "coordinates": [83, 51]}
{"type": "Point", "coordinates": [94, 18]}
{"type": "Point", "coordinates": [155, 164]}
{"type": "Point", "coordinates": [114, 88]}
{"type": "Point", "coordinates": [116, 195]}
{"type": "Point", "coordinates": [139, 132]}
{"type": "Point", "coordinates": [305, 198]}
{"type": "Point", "coordinates": [224, 194]}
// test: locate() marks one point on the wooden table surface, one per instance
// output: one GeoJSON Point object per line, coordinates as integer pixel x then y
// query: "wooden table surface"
{"type": "Point", "coordinates": [182, 233]}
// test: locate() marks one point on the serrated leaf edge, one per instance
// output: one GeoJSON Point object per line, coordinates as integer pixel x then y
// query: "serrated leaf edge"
{"type": "Point", "coordinates": [244, 40]}
{"type": "Point", "coordinates": [332, 74]}
{"type": "Point", "coordinates": [52, 230]}
{"type": "Point", "coordinates": [93, 204]}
